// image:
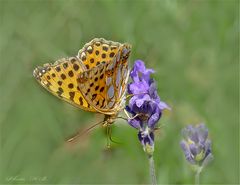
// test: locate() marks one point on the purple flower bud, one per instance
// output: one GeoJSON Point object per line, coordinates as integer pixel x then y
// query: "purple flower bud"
{"type": "Point", "coordinates": [140, 73]}
{"type": "Point", "coordinates": [196, 145]}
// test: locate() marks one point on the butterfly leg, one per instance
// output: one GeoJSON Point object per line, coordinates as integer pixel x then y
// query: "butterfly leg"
{"type": "Point", "coordinates": [108, 131]}
{"type": "Point", "coordinates": [108, 137]}
{"type": "Point", "coordinates": [126, 113]}
{"type": "Point", "coordinates": [129, 117]}
{"type": "Point", "coordinates": [130, 95]}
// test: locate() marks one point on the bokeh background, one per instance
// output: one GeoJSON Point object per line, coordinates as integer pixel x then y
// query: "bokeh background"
{"type": "Point", "coordinates": [191, 44]}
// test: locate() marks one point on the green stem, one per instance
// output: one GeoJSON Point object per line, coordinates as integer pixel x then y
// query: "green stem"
{"type": "Point", "coordinates": [197, 175]}
{"type": "Point", "coordinates": [152, 170]}
{"type": "Point", "coordinates": [197, 178]}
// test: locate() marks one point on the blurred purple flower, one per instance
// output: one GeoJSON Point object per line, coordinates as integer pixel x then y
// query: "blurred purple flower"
{"type": "Point", "coordinates": [196, 145]}
{"type": "Point", "coordinates": [145, 105]}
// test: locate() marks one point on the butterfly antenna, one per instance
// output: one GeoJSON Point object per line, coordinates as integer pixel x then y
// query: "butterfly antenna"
{"type": "Point", "coordinates": [126, 113]}
{"type": "Point", "coordinates": [79, 134]}
{"type": "Point", "coordinates": [108, 138]}
{"type": "Point", "coordinates": [129, 117]}
{"type": "Point", "coordinates": [120, 117]}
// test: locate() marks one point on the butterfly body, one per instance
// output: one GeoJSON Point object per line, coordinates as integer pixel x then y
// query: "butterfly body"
{"type": "Point", "coordinates": [95, 80]}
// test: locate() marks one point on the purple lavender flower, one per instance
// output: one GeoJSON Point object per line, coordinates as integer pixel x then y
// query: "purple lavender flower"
{"type": "Point", "coordinates": [145, 105]}
{"type": "Point", "coordinates": [196, 145]}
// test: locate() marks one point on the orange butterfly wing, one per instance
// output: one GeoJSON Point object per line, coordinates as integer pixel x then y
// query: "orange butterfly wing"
{"type": "Point", "coordinates": [104, 86]}
{"type": "Point", "coordinates": [64, 76]}
{"type": "Point", "coordinates": [60, 79]}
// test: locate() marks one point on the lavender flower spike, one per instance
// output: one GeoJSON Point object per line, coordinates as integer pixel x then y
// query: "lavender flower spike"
{"type": "Point", "coordinates": [196, 145]}
{"type": "Point", "coordinates": [145, 105]}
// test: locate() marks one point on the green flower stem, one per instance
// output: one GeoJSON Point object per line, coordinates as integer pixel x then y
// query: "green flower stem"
{"type": "Point", "coordinates": [197, 175]}
{"type": "Point", "coordinates": [197, 178]}
{"type": "Point", "coordinates": [152, 170]}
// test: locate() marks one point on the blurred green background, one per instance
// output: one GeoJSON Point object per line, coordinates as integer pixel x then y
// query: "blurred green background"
{"type": "Point", "coordinates": [193, 47]}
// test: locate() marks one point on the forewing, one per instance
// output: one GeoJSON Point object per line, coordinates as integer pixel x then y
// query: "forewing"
{"type": "Point", "coordinates": [60, 79]}
{"type": "Point", "coordinates": [97, 51]}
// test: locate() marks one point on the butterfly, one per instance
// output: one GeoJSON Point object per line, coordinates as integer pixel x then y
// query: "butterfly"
{"type": "Point", "coordinates": [95, 80]}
